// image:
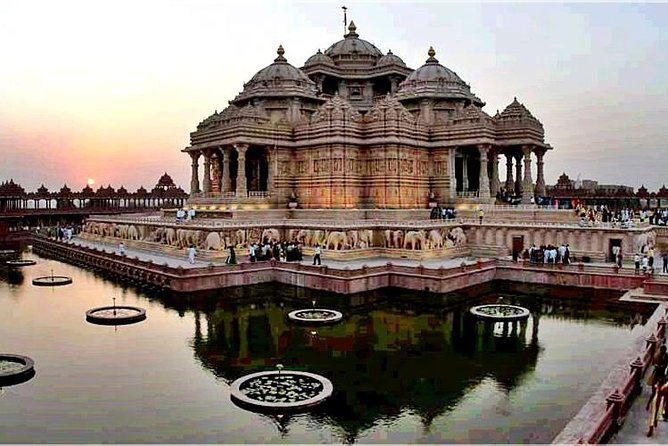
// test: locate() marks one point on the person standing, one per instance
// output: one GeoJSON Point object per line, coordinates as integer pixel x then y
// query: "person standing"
{"type": "Point", "coordinates": [665, 262]}
{"type": "Point", "coordinates": [636, 260]}
{"type": "Point", "coordinates": [121, 248]}
{"type": "Point", "coordinates": [481, 214]}
{"type": "Point", "coordinates": [316, 257]}
{"type": "Point", "coordinates": [251, 252]}
{"type": "Point", "coordinates": [192, 252]}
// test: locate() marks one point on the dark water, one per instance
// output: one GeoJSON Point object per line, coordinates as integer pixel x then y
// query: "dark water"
{"type": "Point", "coordinates": [406, 367]}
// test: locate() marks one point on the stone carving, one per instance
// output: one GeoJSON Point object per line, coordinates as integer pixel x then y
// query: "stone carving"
{"type": "Point", "coordinates": [336, 240]}
{"type": "Point", "coordinates": [336, 109]}
{"type": "Point", "coordinates": [213, 241]}
{"type": "Point", "coordinates": [394, 239]}
{"type": "Point", "coordinates": [271, 235]}
{"type": "Point", "coordinates": [643, 242]}
{"type": "Point", "coordinates": [390, 109]}
{"type": "Point", "coordinates": [435, 239]}
{"type": "Point", "coordinates": [457, 236]}
{"type": "Point", "coordinates": [416, 240]}
{"type": "Point", "coordinates": [240, 237]}
{"type": "Point", "coordinates": [133, 233]}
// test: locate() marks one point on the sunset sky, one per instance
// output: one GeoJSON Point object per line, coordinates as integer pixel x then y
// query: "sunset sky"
{"type": "Point", "coordinates": [111, 90]}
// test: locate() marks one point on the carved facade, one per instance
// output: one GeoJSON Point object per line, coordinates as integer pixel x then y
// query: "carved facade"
{"type": "Point", "coordinates": [356, 128]}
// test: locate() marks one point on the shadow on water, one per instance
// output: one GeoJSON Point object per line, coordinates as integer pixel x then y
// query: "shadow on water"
{"type": "Point", "coordinates": [395, 350]}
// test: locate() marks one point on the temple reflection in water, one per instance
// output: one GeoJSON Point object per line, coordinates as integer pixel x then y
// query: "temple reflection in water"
{"type": "Point", "coordinates": [395, 351]}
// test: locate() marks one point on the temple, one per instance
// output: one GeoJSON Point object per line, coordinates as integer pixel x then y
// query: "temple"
{"type": "Point", "coordinates": [354, 128]}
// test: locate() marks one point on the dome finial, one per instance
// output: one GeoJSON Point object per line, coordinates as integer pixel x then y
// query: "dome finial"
{"type": "Point", "coordinates": [280, 51]}
{"type": "Point", "coordinates": [431, 53]}
{"type": "Point", "coordinates": [351, 30]}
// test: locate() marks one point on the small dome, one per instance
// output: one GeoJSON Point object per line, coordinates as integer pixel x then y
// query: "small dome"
{"type": "Point", "coordinates": [353, 49]}
{"type": "Point", "coordinates": [319, 58]}
{"type": "Point", "coordinates": [277, 80]}
{"type": "Point", "coordinates": [390, 59]}
{"type": "Point", "coordinates": [65, 190]}
{"type": "Point", "coordinates": [434, 71]}
{"type": "Point", "coordinates": [433, 80]}
{"type": "Point", "coordinates": [517, 113]}
{"type": "Point", "coordinates": [280, 69]}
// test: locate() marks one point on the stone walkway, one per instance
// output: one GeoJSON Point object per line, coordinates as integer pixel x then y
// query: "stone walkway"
{"type": "Point", "coordinates": [157, 258]}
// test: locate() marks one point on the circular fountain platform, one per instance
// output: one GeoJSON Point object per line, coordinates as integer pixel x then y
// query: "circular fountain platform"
{"type": "Point", "coordinates": [19, 263]}
{"type": "Point", "coordinates": [281, 391]}
{"type": "Point", "coordinates": [318, 316]}
{"type": "Point", "coordinates": [15, 369]}
{"type": "Point", "coordinates": [500, 312]}
{"type": "Point", "coordinates": [115, 315]}
{"type": "Point", "coordinates": [51, 281]}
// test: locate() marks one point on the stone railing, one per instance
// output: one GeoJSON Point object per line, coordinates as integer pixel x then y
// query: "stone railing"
{"type": "Point", "coordinates": [258, 194]}
{"type": "Point", "coordinates": [602, 415]}
{"type": "Point", "coordinates": [468, 194]}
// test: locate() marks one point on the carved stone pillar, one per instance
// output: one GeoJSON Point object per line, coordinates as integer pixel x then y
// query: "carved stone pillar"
{"type": "Point", "coordinates": [518, 174]}
{"type": "Point", "coordinates": [451, 171]}
{"type": "Point", "coordinates": [510, 183]}
{"type": "Point", "coordinates": [206, 181]}
{"type": "Point", "coordinates": [527, 185]}
{"type": "Point", "coordinates": [194, 176]}
{"type": "Point", "coordinates": [465, 173]}
{"type": "Point", "coordinates": [483, 179]}
{"type": "Point", "coordinates": [216, 172]}
{"type": "Point", "coordinates": [495, 183]}
{"type": "Point", "coordinates": [271, 171]}
{"type": "Point", "coordinates": [540, 179]}
{"type": "Point", "coordinates": [225, 170]}
{"type": "Point", "coordinates": [241, 170]}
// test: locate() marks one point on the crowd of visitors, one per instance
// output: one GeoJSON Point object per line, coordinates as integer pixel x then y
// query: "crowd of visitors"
{"type": "Point", "coordinates": [623, 217]}
{"type": "Point", "coordinates": [443, 213]}
{"type": "Point", "coordinates": [268, 250]}
{"type": "Point", "coordinates": [546, 254]}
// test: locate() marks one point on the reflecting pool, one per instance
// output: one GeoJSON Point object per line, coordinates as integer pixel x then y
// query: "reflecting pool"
{"type": "Point", "coordinates": [406, 367]}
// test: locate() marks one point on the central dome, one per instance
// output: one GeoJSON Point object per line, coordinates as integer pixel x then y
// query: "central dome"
{"type": "Point", "coordinates": [354, 50]}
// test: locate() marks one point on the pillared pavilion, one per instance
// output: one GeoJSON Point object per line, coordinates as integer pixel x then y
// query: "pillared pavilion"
{"type": "Point", "coordinates": [355, 128]}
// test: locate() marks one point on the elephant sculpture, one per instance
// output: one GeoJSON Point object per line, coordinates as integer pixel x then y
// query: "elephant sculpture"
{"type": "Point", "coordinates": [352, 238]}
{"type": "Point", "coordinates": [213, 241]}
{"type": "Point", "coordinates": [271, 235]}
{"type": "Point", "coordinates": [336, 240]}
{"type": "Point", "coordinates": [170, 236]}
{"type": "Point", "coordinates": [299, 235]}
{"type": "Point", "coordinates": [643, 242]}
{"type": "Point", "coordinates": [365, 238]}
{"type": "Point", "coordinates": [141, 230]}
{"type": "Point", "coordinates": [416, 240]}
{"type": "Point", "coordinates": [457, 236]}
{"type": "Point", "coordinates": [240, 237]}
{"type": "Point", "coordinates": [435, 239]}
{"type": "Point", "coordinates": [394, 239]}
{"type": "Point", "coordinates": [133, 233]}
{"type": "Point", "coordinates": [158, 235]}
{"type": "Point", "coordinates": [123, 231]}
{"type": "Point", "coordinates": [315, 237]}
